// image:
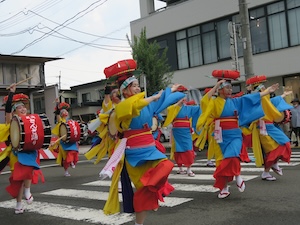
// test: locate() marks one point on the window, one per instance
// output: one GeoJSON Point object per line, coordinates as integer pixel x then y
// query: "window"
{"type": "Point", "coordinates": [277, 26]}
{"type": "Point", "coordinates": [294, 21]}
{"type": "Point", "coordinates": [223, 39]}
{"type": "Point", "coordinates": [86, 97]}
{"type": "Point", "coordinates": [39, 105]}
{"type": "Point", "coordinates": [259, 32]}
{"type": "Point", "coordinates": [195, 49]}
{"type": "Point", "coordinates": [182, 52]}
{"type": "Point", "coordinates": [209, 43]}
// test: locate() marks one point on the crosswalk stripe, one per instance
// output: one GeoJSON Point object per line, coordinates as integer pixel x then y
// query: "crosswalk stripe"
{"type": "Point", "coordinates": [100, 195]}
{"type": "Point", "coordinates": [194, 187]}
{"type": "Point", "coordinates": [205, 177]}
{"type": "Point", "coordinates": [73, 212]}
{"type": "Point", "coordinates": [178, 187]}
{"type": "Point", "coordinates": [211, 169]}
{"type": "Point", "coordinates": [281, 164]}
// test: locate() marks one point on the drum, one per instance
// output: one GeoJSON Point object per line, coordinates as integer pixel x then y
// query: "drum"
{"type": "Point", "coordinates": [72, 131]}
{"type": "Point", "coordinates": [285, 117]}
{"type": "Point", "coordinates": [30, 132]}
{"type": "Point", "coordinates": [111, 125]}
{"type": "Point", "coordinates": [155, 124]}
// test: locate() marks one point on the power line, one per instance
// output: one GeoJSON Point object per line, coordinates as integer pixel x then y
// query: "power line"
{"type": "Point", "coordinates": [68, 21]}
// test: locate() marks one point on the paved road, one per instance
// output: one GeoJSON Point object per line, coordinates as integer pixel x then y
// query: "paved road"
{"type": "Point", "coordinates": [79, 199]}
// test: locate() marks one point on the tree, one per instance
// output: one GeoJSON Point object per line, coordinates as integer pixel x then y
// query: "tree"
{"type": "Point", "coordinates": [153, 64]}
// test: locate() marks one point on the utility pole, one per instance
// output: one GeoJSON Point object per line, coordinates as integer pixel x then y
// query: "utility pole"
{"type": "Point", "coordinates": [59, 83]}
{"type": "Point", "coordinates": [246, 38]}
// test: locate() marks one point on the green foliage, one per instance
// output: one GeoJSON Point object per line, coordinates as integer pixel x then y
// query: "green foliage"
{"type": "Point", "coordinates": [153, 64]}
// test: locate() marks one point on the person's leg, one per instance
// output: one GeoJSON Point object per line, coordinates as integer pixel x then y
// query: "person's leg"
{"type": "Point", "coordinates": [190, 173]}
{"type": "Point", "coordinates": [66, 166]}
{"type": "Point", "coordinates": [224, 192]}
{"type": "Point", "coordinates": [240, 183]}
{"type": "Point", "coordinates": [140, 217]}
{"type": "Point", "coordinates": [180, 170]}
{"type": "Point", "coordinates": [27, 193]}
{"type": "Point", "coordinates": [266, 175]}
{"type": "Point", "coordinates": [19, 208]}
{"type": "Point", "coordinates": [275, 167]}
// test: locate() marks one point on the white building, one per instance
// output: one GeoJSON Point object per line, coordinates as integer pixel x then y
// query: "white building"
{"type": "Point", "coordinates": [198, 39]}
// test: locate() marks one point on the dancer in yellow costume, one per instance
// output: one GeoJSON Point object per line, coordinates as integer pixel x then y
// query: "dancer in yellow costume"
{"type": "Point", "coordinates": [67, 152]}
{"type": "Point", "coordinates": [224, 116]}
{"type": "Point", "coordinates": [269, 143]}
{"type": "Point", "coordinates": [147, 167]}
{"type": "Point", "coordinates": [106, 141]}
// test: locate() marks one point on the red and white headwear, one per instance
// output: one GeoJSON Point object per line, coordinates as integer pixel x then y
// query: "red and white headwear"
{"type": "Point", "coordinates": [123, 72]}
{"type": "Point", "coordinates": [227, 75]}
{"type": "Point", "coordinates": [182, 88]}
{"type": "Point", "coordinates": [18, 99]}
{"type": "Point", "coordinates": [256, 82]}
{"type": "Point", "coordinates": [63, 105]}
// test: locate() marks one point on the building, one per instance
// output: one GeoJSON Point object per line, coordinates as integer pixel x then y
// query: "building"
{"type": "Point", "coordinates": [200, 37]}
{"type": "Point", "coordinates": [15, 69]}
{"type": "Point", "coordinates": [89, 98]}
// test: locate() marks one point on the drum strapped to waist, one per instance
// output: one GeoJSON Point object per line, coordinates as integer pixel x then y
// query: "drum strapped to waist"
{"type": "Point", "coordinates": [71, 131]}
{"type": "Point", "coordinates": [30, 132]}
{"type": "Point", "coordinates": [285, 117]}
{"type": "Point", "coordinates": [111, 125]}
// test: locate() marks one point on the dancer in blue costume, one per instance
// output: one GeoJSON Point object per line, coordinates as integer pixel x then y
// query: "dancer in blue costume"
{"type": "Point", "coordinates": [269, 142]}
{"type": "Point", "coordinates": [183, 118]}
{"type": "Point", "coordinates": [147, 167]}
{"type": "Point", "coordinates": [226, 115]}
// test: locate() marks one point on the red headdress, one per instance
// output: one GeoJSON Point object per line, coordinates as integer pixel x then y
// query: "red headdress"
{"type": "Point", "coordinates": [63, 105]}
{"type": "Point", "coordinates": [121, 70]}
{"type": "Point", "coordinates": [207, 90]}
{"type": "Point", "coordinates": [256, 80]}
{"type": "Point", "coordinates": [17, 98]}
{"type": "Point", "coordinates": [226, 74]}
{"type": "Point", "coordinates": [192, 102]}
{"type": "Point", "coordinates": [182, 88]}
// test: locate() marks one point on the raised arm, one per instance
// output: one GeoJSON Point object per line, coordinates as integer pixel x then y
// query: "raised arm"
{"type": "Point", "coordinates": [8, 105]}
{"type": "Point", "coordinates": [154, 97]}
{"type": "Point", "coordinates": [269, 90]}
{"type": "Point", "coordinates": [213, 90]}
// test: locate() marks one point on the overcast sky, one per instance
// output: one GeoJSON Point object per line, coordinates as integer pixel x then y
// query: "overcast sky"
{"type": "Point", "coordinates": [88, 34]}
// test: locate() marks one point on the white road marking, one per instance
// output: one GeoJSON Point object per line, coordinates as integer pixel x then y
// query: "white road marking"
{"type": "Point", "coordinates": [73, 212]}
{"type": "Point", "coordinates": [253, 164]}
{"type": "Point", "coordinates": [205, 177]}
{"type": "Point", "coordinates": [100, 195]}
{"type": "Point", "coordinates": [212, 169]}
{"type": "Point", "coordinates": [178, 187]}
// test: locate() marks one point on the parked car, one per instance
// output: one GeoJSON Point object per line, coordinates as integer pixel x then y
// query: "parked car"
{"type": "Point", "coordinates": [165, 133]}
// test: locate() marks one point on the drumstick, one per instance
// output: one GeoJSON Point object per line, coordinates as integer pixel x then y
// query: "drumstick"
{"type": "Point", "coordinates": [59, 96]}
{"type": "Point", "coordinates": [20, 82]}
{"type": "Point", "coordinates": [81, 119]}
{"type": "Point", "coordinates": [57, 140]}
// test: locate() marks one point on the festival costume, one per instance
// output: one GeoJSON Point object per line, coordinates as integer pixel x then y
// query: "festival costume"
{"type": "Point", "coordinates": [25, 165]}
{"type": "Point", "coordinates": [182, 118]}
{"type": "Point", "coordinates": [222, 118]}
{"type": "Point", "coordinates": [136, 153]}
{"type": "Point", "coordinates": [269, 142]}
{"type": "Point", "coordinates": [68, 152]}
{"type": "Point", "coordinates": [147, 167]}
{"type": "Point", "coordinates": [106, 143]}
